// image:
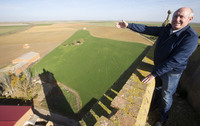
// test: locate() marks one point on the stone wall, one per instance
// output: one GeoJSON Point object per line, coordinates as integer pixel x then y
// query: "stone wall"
{"type": "Point", "coordinates": [190, 81]}
{"type": "Point", "coordinates": [127, 102]}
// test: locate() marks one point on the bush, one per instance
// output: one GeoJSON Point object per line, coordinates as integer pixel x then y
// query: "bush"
{"type": "Point", "coordinates": [81, 40]}
{"type": "Point", "coordinates": [74, 42]}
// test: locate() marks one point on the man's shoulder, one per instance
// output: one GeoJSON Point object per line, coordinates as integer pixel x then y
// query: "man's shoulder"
{"type": "Point", "coordinates": [191, 32]}
{"type": "Point", "coordinates": [191, 37]}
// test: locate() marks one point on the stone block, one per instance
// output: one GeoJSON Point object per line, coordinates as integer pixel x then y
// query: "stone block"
{"type": "Point", "coordinates": [137, 92]}
{"type": "Point", "coordinates": [119, 102]}
{"type": "Point", "coordinates": [132, 94]}
{"type": "Point", "coordinates": [131, 83]}
{"type": "Point", "coordinates": [103, 121]}
{"type": "Point", "coordinates": [144, 108]}
{"type": "Point", "coordinates": [135, 78]}
{"type": "Point", "coordinates": [123, 119]}
{"type": "Point", "coordinates": [132, 109]}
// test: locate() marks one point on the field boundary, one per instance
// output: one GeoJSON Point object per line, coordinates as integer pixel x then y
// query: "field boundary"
{"type": "Point", "coordinates": [78, 100]}
{"type": "Point", "coordinates": [18, 30]}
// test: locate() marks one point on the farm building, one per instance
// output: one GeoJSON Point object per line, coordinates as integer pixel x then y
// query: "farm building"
{"type": "Point", "coordinates": [14, 115]}
{"type": "Point", "coordinates": [21, 63]}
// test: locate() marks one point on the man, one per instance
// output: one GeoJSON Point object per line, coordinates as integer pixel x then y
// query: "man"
{"type": "Point", "coordinates": [175, 43]}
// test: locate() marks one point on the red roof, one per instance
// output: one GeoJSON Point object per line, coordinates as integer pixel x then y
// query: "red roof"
{"type": "Point", "coordinates": [9, 115]}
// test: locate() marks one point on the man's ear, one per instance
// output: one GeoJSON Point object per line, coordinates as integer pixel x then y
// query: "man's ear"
{"type": "Point", "coordinates": [190, 19]}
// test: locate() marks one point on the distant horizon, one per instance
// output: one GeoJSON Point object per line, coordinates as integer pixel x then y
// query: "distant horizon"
{"type": "Point", "coordinates": [83, 21]}
{"type": "Point", "coordinates": [77, 10]}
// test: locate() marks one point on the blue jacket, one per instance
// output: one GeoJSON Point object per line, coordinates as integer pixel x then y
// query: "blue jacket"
{"type": "Point", "coordinates": [172, 50]}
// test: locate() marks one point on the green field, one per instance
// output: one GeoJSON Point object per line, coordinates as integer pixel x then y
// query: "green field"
{"type": "Point", "coordinates": [90, 68]}
{"type": "Point", "coordinates": [10, 29]}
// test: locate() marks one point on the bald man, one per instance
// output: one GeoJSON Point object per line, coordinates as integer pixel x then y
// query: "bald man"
{"type": "Point", "coordinates": [175, 43]}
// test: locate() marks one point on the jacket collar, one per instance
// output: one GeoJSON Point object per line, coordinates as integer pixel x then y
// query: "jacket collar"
{"type": "Point", "coordinates": [169, 27]}
{"type": "Point", "coordinates": [181, 30]}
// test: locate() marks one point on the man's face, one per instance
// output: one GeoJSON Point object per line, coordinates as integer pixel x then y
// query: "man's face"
{"type": "Point", "coordinates": [181, 18]}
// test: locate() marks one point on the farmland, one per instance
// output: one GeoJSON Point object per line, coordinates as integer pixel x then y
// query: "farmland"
{"type": "Point", "coordinates": [50, 36]}
{"type": "Point", "coordinates": [11, 29]}
{"type": "Point", "coordinates": [43, 37]}
{"type": "Point", "coordinates": [90, 68]}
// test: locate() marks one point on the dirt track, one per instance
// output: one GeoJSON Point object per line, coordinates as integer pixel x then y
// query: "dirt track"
{"type": "Point", "coordinates": [43, 39]}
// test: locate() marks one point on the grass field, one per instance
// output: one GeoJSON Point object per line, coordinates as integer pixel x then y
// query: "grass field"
{"type": "Point", "coordinates": [90, 68]}
{"type": "Point", "coordinates": [10, 29]}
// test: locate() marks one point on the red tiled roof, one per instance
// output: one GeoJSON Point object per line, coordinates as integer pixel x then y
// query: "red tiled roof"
{"type": "Point", "coordinates": [9, 115]}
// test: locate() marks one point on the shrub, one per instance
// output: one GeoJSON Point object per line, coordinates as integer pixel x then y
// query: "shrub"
{"type": "Point", "coordinates": [81, 40]}
{"type": "Point", "coordinates": [74, 42]}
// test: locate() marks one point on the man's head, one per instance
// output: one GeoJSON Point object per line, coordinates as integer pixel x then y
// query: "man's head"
{"type": "Point", "coordinates": [182, 18]}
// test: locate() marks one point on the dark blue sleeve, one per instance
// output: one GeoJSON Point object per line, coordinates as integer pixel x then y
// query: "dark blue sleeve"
{"type": "Point", "coordinates": [145, 29]}
{"type": "Point", "coordinates": [179, 57]}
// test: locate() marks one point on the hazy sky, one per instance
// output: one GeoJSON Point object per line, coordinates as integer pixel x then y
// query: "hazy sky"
{"type": "Point", "coordinates": [134, 10]}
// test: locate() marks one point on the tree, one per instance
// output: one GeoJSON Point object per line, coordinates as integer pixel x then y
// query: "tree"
{"type": "Point", "coordinates": [20, 86]}
{"type": "Point", "coordinates": [5, 82]}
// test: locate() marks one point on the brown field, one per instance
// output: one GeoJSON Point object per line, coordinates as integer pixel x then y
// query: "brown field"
{"type": "Point", "coordinates": [43, 39]}
{"type": "Point", "coordinates": [118, 34]}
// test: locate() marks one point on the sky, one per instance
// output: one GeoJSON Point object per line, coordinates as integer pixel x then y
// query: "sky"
{"type": "Point", "coordinates": [67, 10]}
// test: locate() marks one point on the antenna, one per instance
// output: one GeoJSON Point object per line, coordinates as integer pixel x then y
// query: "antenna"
{"type": "Point", "coordinates": [167, 21]}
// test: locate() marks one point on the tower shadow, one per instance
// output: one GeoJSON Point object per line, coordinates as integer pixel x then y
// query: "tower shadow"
{"type": "Point", "coordinates": [59, 109]}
